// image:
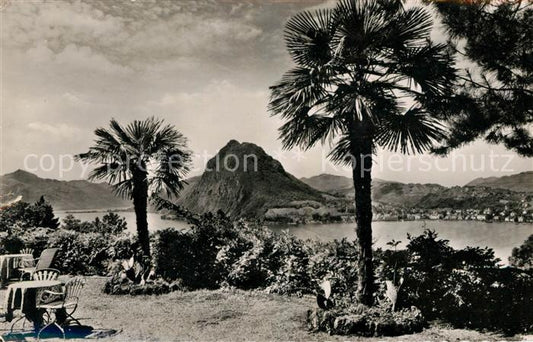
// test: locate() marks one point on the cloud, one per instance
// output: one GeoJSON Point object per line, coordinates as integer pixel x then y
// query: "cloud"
{"type": "Point", "coordinates": [204, 66]}
{"type": "Point", "coordinates": [55, 131]}
{"type": "Point", "coordinates": [133, 33]}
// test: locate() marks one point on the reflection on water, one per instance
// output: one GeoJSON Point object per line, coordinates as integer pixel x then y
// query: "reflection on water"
{"type": "Point", "coordinates": [502, 236]}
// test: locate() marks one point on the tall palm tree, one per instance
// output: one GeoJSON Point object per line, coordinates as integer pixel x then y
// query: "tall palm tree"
{"type": "Point", "coordinates": [367, 75]}
{"type": "Point", "coordinates": [142, 158]}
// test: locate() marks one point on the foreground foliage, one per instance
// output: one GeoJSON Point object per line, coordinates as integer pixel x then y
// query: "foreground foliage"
{"type": "Point", "coordinates": [364, 321]}
{"type": "Point", "coordinates": [464, 287]}
{"type": "Point", "coordinates": [522, 256]}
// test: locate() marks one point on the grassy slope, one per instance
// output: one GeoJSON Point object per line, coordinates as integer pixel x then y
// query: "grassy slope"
{"type": "Point", "coordinates": [220, 316]}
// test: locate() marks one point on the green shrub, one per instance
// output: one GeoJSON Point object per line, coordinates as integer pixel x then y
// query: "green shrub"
{"type": "Point", "coordinates": [245, 262]}
{"type": "Point", "coordinates": [292, 272]}
{"type": "Point", "coordinates": [80, 253]}
{"type": "Point", "coordinates": [11, 244]}
{"type": "Point", "coordinates": [464, 287]}
{"type": "Point", "coordinates": [217, 252]}
{"type": "Point", "coordinates": [337, 262]}
{"type": "Point", "coordinates": [26, 215]}
{"type": "Point", "coordinates": [89, 253]}
{"type": "Point", "coordinates": [192, 256]}
{"type": "Point", "coordinates": [364, 321]}
{"type": "Point", "coordinates": [522, 257]}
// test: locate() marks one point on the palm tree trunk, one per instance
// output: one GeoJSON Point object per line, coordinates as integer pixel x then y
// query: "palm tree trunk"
{"type": "Point", "coordinates": [362, 178]}
{"type": "Point", "coordinates": [140, 203]}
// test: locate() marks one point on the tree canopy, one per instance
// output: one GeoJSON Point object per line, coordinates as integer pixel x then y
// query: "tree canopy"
{"type": "Point", "coordinates": [495, 97]}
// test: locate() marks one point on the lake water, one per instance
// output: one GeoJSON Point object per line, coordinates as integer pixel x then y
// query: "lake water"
{"type": "Point", "coordinates": [154, 220]}
{"type": "Point", "coordinates": [501, 236]}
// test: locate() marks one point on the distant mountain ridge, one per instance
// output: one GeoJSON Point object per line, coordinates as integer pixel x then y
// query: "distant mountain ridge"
{"type": "Point", "coordinates": [428, 195]}
{"type": "Point", "coordinates": [521, 182]}
{"type": "Point", "coordinates": [242, 193]}
{"type": "Point", "coordinates": [338, 185]}
{"type": "Point", "coordinates": [63, 195]}
{"type": "Point", "coordinates": [329, 183]}
{"type": "Point", "coordinates": [242, 186]}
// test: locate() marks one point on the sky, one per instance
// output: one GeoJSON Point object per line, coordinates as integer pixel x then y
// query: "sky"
{"type": "Point", "coordinates": [68, 67]}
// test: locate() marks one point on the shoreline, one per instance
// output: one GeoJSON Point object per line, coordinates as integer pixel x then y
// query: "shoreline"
{"type": "Point", "coordinates": [273, 223]}
{"type": "Point", "coordinates": [89, 211]}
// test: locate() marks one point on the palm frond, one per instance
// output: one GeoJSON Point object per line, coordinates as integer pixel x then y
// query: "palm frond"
{"type": "Point", "coordinates": [308, 35]}
{"type": "Point", "coordinates": [172, 167]}
{"type": "Point", "coordinates": [429, 66]}
{"type": "Point", "coordinates": [412, 132]}
{"type": "Point", "coordinates": [165, 138]}
{"type": "Point", "coordinates": [124, 188]}
{"type": "Point", "coordinates": [162, 203]}
{"type": "Point", "coordinates": [361, 28]}
{"type": "Point", "coordinates": [305, 130]}
{"type": "Point", "coordinates": [342, 151]}
{"type": "Point", "coordinates": [106, 148]}
{"type": "Point", "coordinates": [299, 87]}
{"type": "Point", "coordinates": [126, 141]}
{"type": "Point", "coordinates": [410, 28]}
{"type": "Point", "coordinates": [142, 133]}
{"type": "Point", "coordinates": [120, 151]}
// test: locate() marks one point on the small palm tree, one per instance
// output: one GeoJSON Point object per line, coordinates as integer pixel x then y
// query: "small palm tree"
{"type": "Point", "coordinates": [142, 158]}
{"type": "Point", "coordinates": [367, 75]}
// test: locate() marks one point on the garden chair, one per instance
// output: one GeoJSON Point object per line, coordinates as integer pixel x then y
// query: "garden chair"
{"type": "Point", "coordinates": [26, 262]}
{"type": "Point", "coordinates": [43, 274]}
{"type": "Point", "coordinates": [46, 274]}
{"type": "Point", "coordinates": [26, 251]}
{"type": "Point", "coordinates": [68, 302]}
{"type": "Point", "coordinates": [44, 261]}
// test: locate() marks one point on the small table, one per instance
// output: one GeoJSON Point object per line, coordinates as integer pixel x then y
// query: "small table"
{"type": "Point", "coordinates": [10, 262]}
{"type": "Point", "coordinates": [25, 295]}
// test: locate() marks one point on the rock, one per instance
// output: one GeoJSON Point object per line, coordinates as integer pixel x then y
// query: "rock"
{"type": "Point", "coordinates": [365, 321]}
{"type": "Point", "coordinates": [320, 320]}
{"type": "Point", "coordinates": [242, 180]}
{"type": "Point", "coordinates": [352, 324]}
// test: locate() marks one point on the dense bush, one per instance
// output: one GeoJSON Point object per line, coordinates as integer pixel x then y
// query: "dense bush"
{"type": "Point", "coordinates": [218, 253]}
{"type": "Point", "coordinates": [364, 321]}
{"type": "Point", "coordinates": [522, 257]}
{"type": "Point", "coordinates": [136, 277]}
{"type": "Point", "coordinates": [26, 215]}
{"type": "Point", "coordinates": [84, 247]}
{"type": "Point", "coordinates": [337, 262]}
{"type": "Point", "coordinates": [89, 253]}
{"type": "Point", "coordinates": [11, 244]}
{"type": "Point", "coordinates": [192, 255]}
{"type": "Point", "coordinates": [34, 238]}
{"type": "Point", "coordinates": [79, 253]}
{"type": "Point", "coordinates": [465, 287]}
{"type": "Point", "coordinates": [110, 224]}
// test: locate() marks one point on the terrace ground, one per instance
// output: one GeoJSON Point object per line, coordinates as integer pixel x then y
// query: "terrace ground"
{"type": "Point", "coordinates": [223, 316]}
